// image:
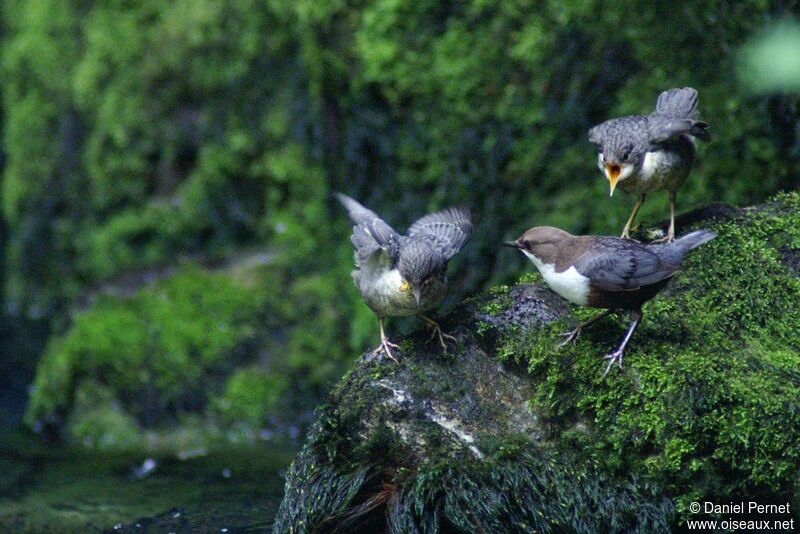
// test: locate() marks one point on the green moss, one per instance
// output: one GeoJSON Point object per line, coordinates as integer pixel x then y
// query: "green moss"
{"type": "Point", "coordinates": [531, 277]}
{"type": "Point", "coordinates": [707, 405]}
{"type": "Point", "coordinates": [249, 396]}
{"type": "Point", "coordinates": [98, 421]}
{"type": "Point", "coordinates": [157, 352]}
{"type": "Point", "coordinates": [550, 493]}
{"type": "Point", "coordinates": [499, 300]}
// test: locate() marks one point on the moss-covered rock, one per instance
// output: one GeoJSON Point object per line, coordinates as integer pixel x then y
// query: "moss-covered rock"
{"type": "Point", "coordinates": [250, 395]}
{"type": "Point", "coordinates": [142, 361]}
{"type": "Point", "coordinates": [507, 433]}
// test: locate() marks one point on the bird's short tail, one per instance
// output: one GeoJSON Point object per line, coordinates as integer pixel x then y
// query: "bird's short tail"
{"type": "Point", "coordinates": [695, 239]}
{"type": "Point", "coordinates": [678, 103]}
{"type": "Point", "coordinates": [675, 251]}
{"type": "Point", "coordinates": [682, 104]}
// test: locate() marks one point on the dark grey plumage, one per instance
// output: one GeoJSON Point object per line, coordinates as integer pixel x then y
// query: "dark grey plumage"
{"type": "Point", "coordinates": [648, 153]}
{"type": "Point", "coordinates": [614, 264]}
{"type": "Point", "coordinates": [620, 265]}
{"type": "Point", "coordinates": [448, 230]}
{"type": "Point", "coordinates": [371, 234]}
{"type": "Point", "coordinates": [405, 275]}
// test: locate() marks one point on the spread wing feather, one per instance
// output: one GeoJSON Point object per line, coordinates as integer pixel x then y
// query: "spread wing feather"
{"type": "Point", "coordinates": [448, 229]}
{"type": "Point", "coordinates": [372, 237]}
{"type": "Point", "coordinates": [661, 129]}
{"type": "Point", "coordinates": [618, 265]}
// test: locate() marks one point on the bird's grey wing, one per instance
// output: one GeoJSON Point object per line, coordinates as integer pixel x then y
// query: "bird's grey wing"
{"type": "Point", "coordinates": [449, 228]}
{"type": "Point", "coordinates": [619, 265]}
{"type": "Point", "coordinates": [661, 128]}
{"type": "Point", "coordinates": [372, 237]}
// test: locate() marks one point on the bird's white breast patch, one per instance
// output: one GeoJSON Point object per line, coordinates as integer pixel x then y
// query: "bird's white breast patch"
{"type": "Point", "coordinates": [570, 284]}
{"type": "Point", "coordinates": [654, 162]}
{"type": "Point", "coordinates": [389, 282]}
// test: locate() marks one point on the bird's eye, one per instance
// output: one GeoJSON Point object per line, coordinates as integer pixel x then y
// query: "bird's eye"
{"type": "Point", "coordinates": [626, 156]}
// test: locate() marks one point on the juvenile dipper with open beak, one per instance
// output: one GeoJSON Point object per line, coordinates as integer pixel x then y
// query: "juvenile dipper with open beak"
{"type": "Point", "coordinates": [644, 154]}
{"type": "Point", "coordinates": [405, 275]}
{"type": "Point", "coordinates": [605, 272]}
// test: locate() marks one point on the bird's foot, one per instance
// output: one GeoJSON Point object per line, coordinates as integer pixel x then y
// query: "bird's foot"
{"type": "Point", "coordinates": [627, 235]}
{"type": "Point", "coordinates": [572, 337]}
{"type": "Point", "coordinates": [614, 357]}
{"type": "Point", "coordinates": [387, 346]}
{"type": "Point", "coordinates": [436, 331]}
{"type": "Point", "coordinates": [669, 238]}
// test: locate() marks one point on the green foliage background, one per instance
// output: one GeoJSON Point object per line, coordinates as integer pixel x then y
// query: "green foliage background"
{"type": "Point", "coordinates": [160, 146]}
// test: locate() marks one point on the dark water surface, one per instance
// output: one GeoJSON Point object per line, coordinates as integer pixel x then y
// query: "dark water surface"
{"type": "Point", "coordinates": [45, 489]}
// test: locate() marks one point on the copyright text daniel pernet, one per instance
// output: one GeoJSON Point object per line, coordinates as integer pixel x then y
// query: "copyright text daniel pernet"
{"type": "Point", "coordinates": [743, 515]}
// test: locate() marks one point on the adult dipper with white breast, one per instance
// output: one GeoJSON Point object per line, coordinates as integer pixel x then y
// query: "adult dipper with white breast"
{"type": "Point", "coordinates": [405, 275]}
{"type": "Point", "coordinates": [605, 272]}
{"type": "Point", "coordinates": [649, 153]}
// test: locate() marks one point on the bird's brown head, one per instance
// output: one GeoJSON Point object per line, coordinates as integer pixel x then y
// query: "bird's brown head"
{"type": "Point", "coordinates": [544, 242]}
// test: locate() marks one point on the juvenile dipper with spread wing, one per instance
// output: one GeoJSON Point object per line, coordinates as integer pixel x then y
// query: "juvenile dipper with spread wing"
{"type": "Point", "coordinates": [405, 275]}
{"type": "Point", "coordinates": [645, 154]}
{"type": "Point", "coordinates": [605, 272]}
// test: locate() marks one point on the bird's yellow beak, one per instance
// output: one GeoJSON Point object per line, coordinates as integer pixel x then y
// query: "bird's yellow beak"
{"type": "Point", "coordinates": [612, 173]}
{"type": "Point", "coordinates": [405, 287]}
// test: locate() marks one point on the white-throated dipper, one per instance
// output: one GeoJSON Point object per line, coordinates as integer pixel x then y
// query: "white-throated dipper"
{"type": "Point", "coordinates": [605, 272]}
{"type": "Point", "coordinates": [405, 275]}
{"type": "Point", "coordinates": [649, 153]}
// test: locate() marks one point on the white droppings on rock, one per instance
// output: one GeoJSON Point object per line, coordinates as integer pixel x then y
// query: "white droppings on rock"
{"type": "Point", "coordinates": [400, 396]}
{"type": "Point", "coordinates": [434, 413]}
{"type": "Point", "coordinates": [451, 425]}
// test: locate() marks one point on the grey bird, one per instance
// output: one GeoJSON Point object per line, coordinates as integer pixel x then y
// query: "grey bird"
{"type": "Point", "coordinates": [648, 153]}
{"type": "Point", "coordinates": [402, 275]}
{"type": "Point", "coordinates": [605, 272]}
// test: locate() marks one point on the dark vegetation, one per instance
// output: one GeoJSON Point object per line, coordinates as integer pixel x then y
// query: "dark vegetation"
{"type": "Point", "coordinates": [163, 159]}
{"type": "Point", "coordinates": [175, 272]}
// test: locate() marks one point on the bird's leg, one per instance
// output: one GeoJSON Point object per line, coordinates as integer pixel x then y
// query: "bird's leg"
{"type": "Point", "coordinates": [385, 343]}
{"type": "Point", "coordinates": [670, 237]}
{"type": "Point", "coordinates": [436, 330]}
{"type": "Point", "coordinates": [616, 356]}
{"type": "Point", "coordinates": [626, 231]}
{"type": "Point", "coordinates": [572, 335]}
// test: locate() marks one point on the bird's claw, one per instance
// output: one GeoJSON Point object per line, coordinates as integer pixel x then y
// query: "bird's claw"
{"type": "Point", "coordinates": [628, 237]}
{"type": "Point", "coordinates": [572, 336]}
{"type": "Point", "coordinates": [614, 357]}
{"type": "Point", "coordinates": [436, 330]}
{"type": "Point", "coordinates": [669, 238]}
{"type": "Point", "coordinates": [385, 347]}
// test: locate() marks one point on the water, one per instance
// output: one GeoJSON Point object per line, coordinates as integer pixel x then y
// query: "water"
{"type": "Point", "coordinates": [60, 490]}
